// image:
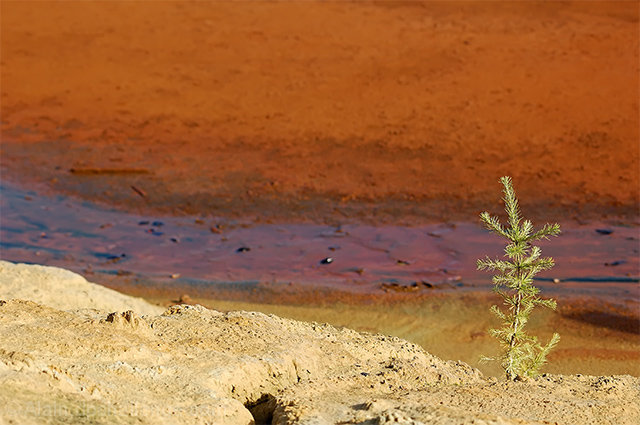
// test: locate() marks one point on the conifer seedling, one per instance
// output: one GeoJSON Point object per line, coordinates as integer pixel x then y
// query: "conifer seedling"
{"type": "Point", "coordinates": [522, 354]}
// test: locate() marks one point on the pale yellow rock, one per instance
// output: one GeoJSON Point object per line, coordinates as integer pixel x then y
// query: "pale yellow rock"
{"type": "Point", "coordinates": [192, 365]}
{"type": "Point", "coordinates": [64, 290]}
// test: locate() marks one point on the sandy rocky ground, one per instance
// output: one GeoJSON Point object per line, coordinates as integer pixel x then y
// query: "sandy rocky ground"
{"type": "Point", "coordinates": [75, 352]}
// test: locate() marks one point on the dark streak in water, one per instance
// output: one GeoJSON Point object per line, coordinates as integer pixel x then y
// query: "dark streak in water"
{"type": "Point", "coordinates": [22, 246]}
{"type": "Point", "coordinates": [602, 279]}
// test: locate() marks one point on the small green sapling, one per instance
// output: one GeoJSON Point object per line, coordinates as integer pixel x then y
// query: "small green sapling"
{"type": "Point", "coordinates": [522, 354]}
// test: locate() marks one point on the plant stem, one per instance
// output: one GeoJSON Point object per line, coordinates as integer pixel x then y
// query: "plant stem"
{"type": "Point", "coordinates": [512, 343]}
{"type": "Point", "coordinates": [516, 321]}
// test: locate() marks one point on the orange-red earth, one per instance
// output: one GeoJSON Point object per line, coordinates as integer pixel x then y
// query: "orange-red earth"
{"type": "Point", "coordinates": [324, 111]}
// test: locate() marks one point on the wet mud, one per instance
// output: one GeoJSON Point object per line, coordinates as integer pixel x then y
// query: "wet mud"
{"type": "Point", "coordinates": [594, 259]}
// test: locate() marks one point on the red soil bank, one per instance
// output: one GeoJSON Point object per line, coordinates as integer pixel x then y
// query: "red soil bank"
{"type": "Point", "coordinates": [295, 110]}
